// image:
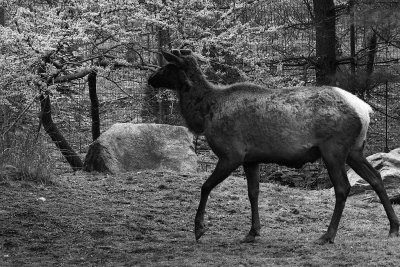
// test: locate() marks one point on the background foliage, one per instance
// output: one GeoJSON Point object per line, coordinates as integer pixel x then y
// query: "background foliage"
{"type": "Point", "coordinates": [51, 46]}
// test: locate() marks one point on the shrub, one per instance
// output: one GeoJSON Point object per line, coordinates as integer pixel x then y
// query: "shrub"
{"type": "Point", "coordinates": [24, 157]}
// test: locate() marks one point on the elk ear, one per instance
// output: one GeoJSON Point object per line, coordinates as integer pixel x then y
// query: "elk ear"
{"type": "Point", "coordinates": [172, 58]}
{"type": "Point", "coordinates": [176, 52]}
{"type": "Point", "coordinates": [185, 52]}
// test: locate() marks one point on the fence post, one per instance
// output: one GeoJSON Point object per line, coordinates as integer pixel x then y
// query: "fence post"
{"type": "Point", "coordinates": [386, 149]}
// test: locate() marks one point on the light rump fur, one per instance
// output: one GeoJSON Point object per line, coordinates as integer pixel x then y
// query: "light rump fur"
{"type": "Point", "coordinates": [363, 110]}
{"type": "Point", "coordinates": [246, 124]}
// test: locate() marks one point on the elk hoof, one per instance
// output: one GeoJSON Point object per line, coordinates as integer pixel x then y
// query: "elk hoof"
{"type": "Point", "coordinates": [325, 239]}
{"type": "Point", "coordinates": [199, 230]}
{"type": "Point", "coordinates": [393, 234]}
{"type": "Point", "coordinates": [394, 230]}
{"type": "Point", "coordinates": [248, 239]}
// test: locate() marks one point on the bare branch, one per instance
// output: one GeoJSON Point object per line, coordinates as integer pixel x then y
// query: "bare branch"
{"type": "Point", "coordinates": [105, 63]}
{"type": "Point", "coordinates": [385, 39]}
{"type": "Point", "coordinates": [28, 40]}
{"type": "Point", "coordinates": [118, 86]}
{"type": "Point", "coordinates": [70, 77]}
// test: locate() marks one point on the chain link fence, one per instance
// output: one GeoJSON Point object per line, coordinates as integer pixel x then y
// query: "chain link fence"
{"type": "Point", "coordinates": [124, 95]}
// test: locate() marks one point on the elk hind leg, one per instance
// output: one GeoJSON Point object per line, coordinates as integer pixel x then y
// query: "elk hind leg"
{"type": "Point", "coordinates": [363, 168]}
{"type": "Point", "coordinates": [334, 157]}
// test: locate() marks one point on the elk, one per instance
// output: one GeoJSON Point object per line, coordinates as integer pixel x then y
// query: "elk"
{"type": "Point", "coordinates": [247, 124]}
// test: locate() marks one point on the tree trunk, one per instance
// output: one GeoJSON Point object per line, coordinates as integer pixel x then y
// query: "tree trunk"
{"type": "Point", "coordinates": [2, 16]}
{"type": "Point", "coordinates": [164, 39]}
{"type": "Point", "coordinates": [55, 135]}
{"type": "Point", "coordinates": [325, 34]}
{"type": "Point", "coordinates": [352, 85]}
{"type": "Point", "coordinates": [94, 105]}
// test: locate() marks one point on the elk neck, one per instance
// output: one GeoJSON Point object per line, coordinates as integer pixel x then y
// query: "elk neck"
{"type": "Point", "coordinates": [196, 100]}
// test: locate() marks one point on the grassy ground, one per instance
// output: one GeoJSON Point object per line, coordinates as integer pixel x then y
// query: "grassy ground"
{"type": "Point", "coordinates": [146, 219]}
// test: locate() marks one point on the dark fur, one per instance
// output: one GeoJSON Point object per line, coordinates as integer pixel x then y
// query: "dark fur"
{"type": "Point", "coordinates": [246, 124]}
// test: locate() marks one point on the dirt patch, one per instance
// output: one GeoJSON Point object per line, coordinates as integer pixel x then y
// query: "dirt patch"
{"type": "Point", "coordinates": [146, 219]}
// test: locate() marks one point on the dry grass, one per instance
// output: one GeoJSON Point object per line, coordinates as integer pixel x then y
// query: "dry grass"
{"type": "Point", "coordinates": [24, 157]}
{"type": "Point", "coordinates": [146, 219]}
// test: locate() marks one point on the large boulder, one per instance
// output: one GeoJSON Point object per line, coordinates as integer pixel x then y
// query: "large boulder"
{"type": "Point", "coordinates": [388, 164]}
{"type": "Point", "coordinates": [132, 147]}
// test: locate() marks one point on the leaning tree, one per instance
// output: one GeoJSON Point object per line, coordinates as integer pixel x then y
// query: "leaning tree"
{"type": "Point", "coordinates": [46, 46]}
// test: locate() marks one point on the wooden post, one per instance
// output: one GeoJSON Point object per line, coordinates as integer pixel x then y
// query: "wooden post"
{"type": "Point", "coordinates": [92, 80]}
{"type": "Point", "coordinates": [2, 16]}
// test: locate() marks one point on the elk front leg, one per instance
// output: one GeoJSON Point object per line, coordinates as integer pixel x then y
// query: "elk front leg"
{"type": "Point", "coordinates": [253, 186]}
{"type": "Point", "coordinates": [221, 172]}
